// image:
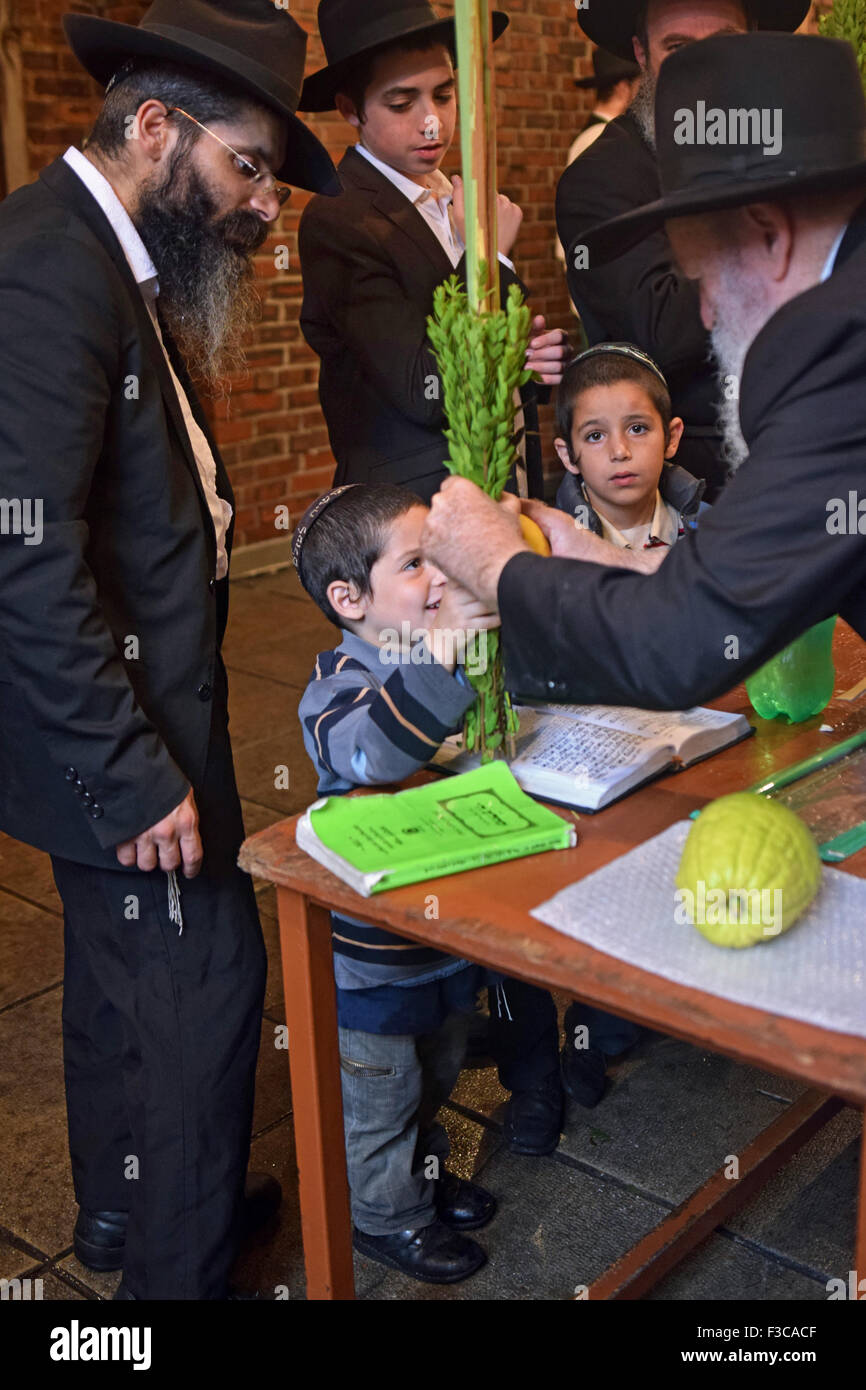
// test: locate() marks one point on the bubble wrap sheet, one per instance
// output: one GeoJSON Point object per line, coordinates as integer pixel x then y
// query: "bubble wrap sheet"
{"type": "Point", "coordinates": [816, 972]}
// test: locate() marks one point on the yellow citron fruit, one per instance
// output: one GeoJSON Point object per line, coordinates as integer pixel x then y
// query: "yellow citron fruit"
{"type": "Point", "coordinates": [749, 868]}
{"type": "Point", "coordinates": [534, 536]}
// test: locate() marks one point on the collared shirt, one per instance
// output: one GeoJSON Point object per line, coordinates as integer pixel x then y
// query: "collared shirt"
{"type": "Point", "coordinates": [145, 274]}
{"type": "Point", "coordinates": [664, 529]}
{"type": "Point", "coordinates": [433, 203]}
{"type": "Point", "coordinates": [834, 251]}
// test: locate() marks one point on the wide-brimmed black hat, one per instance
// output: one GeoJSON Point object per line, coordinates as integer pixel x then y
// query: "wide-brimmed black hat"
{"type": "Point", "coordinates": [253, 44]}
{"type": "Point", "coordinates": [807, 92]}
{"type": "Point", "coordinates": [611, 23]}
{"type": "Point", "coordinates": [349, 29]}
{"type": "Point", "coordinates": [607, 69]}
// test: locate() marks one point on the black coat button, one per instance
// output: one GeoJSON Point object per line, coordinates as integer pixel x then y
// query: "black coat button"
{"type": "Point", "coordinates": [71, 773]}
{"type": "Point", "coordinates": [212, 585]}
{"type": "Point", "coordinates": [96, 812]}
{"type": "Point", "coordinates": [204, 691]}
{"type": "Point", "coordinates": [87, 799]}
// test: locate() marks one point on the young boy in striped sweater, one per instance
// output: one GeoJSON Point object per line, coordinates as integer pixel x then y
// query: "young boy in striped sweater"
{"type": "Point", "coordinates": [376, 709]}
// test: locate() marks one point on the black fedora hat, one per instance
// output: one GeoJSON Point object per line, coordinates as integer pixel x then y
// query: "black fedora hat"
{"type": "Point", "coordinates": [813, 138]}
{"type": "Point", "coordinates": [607, 69]}
{"type": "Point", "coordinates": [611, 23]}
{"type": "Point", "coordinates": [253, 44]}
{"type": "Point", "coordinates": [349, 29]}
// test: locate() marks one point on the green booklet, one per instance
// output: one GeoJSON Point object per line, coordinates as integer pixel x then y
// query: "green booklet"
{"type": "Point", "coordinates": [375, 843]}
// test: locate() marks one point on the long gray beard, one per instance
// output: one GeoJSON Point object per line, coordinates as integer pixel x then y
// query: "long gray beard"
{"type": "Point", "coordinates": [730, 346]}
{"type": "Point", "coordinates": [643, 107]}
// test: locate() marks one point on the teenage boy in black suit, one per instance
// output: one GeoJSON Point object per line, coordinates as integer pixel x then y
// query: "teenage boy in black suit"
{"type": "Point", "coordinates": [370, 267]}
{"type": "Point", "coordinates": [371, 264]}
{"type": "Point", "coordinates": [123, 271]}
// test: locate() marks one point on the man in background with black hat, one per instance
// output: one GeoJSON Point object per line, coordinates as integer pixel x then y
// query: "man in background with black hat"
{"type": "Point", "coordinates": [372, 259]}
{"type": "Point", "coordinates": [770, 220]}
{"type": "Point", "coordinates": [615, 80]}
{"type": "Point", "coordinates": [643, 298]}
{"type": "Point", "coordinates": [125, 273]}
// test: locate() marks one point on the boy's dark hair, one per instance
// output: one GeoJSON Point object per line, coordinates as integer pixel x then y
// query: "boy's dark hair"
{"type": "Point", "coordinates": [640, 23]}
{"type": "Point", "coordinates": [357, 81]}
{"type": "Point", "coordinates": [207, 99]}
{"type": "Point", "coordinates": [607, 370]}
{"type": "Point", "coordinates": [347, 539]}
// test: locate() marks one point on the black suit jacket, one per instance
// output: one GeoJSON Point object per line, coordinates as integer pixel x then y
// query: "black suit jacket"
{"type": "Point", "coordinates": [110, 628]}
{"type": "Point", "coordinates": [370, 264]}
{"type": "Point", "coordinates": [641, 297]}
{"type": "Point", "coordinates": [765, 562]}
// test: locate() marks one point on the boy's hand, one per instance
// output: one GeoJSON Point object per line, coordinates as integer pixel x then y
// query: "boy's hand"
{"type": "Point", "coordinates": [459, 614]}
{"type": "Point", "coordinates": [508, 217]}
{"type": "Point", "coordinates": [548, 351]}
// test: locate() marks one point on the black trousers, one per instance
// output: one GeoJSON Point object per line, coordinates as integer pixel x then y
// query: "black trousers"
{"type": "Point", "coordinates": [524, 1034]}
{"type": "Point", "coordinates": [161, 1033]}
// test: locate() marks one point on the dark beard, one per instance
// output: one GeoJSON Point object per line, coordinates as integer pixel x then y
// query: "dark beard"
{"type": "Point", "coordinates": [207, 295]}
{"type": "Point", "coordinates": [643, 107]}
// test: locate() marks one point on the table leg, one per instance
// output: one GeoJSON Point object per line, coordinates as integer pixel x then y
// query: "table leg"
{"type": "Point", "coordinates": [314, 1058]}
{"type": "Point", "coordinates": [860, 1243]}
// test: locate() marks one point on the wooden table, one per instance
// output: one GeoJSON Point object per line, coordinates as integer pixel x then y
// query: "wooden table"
{"type": "Point", "coordinates": [484, 917]}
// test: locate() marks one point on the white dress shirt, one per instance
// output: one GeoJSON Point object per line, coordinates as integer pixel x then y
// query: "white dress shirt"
{"type": "Point", "coordinates": [433, 203]}
{"type": "Point", "coordinates": [147, 280]}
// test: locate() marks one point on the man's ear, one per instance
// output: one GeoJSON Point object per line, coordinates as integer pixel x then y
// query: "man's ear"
{"type": "Point", "coordinates": [347, 600]}
{"type": "Point", "coordinates": [348, 110]}
{"type": "Point", "coordinates": [775, 226]}
{"type": "Point", "coordinates": [676, 434]}
{"type": "Point", "coordinates": [152, 129]}
{"type": "Point", "coordinates": [563, 453]}
{"type": "Point", "coordinates": [641, 56]}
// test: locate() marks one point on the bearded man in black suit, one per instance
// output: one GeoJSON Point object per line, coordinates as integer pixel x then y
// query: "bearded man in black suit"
{"type": "Point", "coordinates": [125, 271]}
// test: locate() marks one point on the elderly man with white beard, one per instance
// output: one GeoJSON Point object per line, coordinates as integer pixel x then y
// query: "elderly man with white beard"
{"type": "Point", "coordinates": [777, 244]}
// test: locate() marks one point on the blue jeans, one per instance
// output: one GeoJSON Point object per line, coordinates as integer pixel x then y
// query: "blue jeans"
{"type": "Point", "coordinates": [393, 1085]}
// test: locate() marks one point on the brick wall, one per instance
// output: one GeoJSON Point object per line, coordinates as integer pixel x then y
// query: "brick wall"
{"type": "Point", "coordinates": [271, 432]}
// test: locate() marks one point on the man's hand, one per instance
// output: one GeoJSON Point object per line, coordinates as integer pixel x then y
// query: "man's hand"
{"type": "Point", "coordinates": [172, 842]}
{"type": "Point", "coordinates": [508, 217]}
{"type": "Point", "coordinates": [572, 542]}
{"type": "Point", "coordinates": [471, 538]}
{"type": "Point", "coordinates": [548, 351]}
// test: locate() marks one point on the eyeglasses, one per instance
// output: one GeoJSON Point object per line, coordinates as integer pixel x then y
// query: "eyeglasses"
{"type": "Point", "coordinates": [266, 183]}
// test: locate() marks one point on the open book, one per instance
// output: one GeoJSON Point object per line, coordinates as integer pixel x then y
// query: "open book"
{"type": "Point", "coordinates": [587, 756]}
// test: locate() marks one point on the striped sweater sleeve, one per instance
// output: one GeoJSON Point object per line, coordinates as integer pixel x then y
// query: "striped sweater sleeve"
{"type": "Point", "coordinates": [362, 733]}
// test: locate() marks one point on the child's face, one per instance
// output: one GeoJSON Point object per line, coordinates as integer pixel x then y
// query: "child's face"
{"type": "Point", "coordinates": [404, 588]}
{"type": "Point", "coordinates": [618, 444]}
{"type": "Point", "coordinates": [409, 94]}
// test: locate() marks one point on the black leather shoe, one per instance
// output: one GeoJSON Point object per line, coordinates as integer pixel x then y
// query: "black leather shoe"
{"type": "Point", "coordinates": [100, 1236]}
{"type": "Point", "coordinates": [533, 1119]}
{"type": "Point", "coordinates": [98, 1239]}
{"type": "Point", "coordinates": [433, 1255]}
{"type": "Point", "coordinates": [464, 1206]}
{"type": "Point", "coordinates": [584, 1074]}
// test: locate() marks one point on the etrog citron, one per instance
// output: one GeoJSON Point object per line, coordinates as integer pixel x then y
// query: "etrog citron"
{"type": "Point", "coordinates": [534, 536]}
{"type": "Point", "coordinates": [749, 868]}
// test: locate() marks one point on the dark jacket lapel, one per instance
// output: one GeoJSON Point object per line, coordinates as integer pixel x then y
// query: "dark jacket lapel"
{"type": "Point", "coordinates": [65, 183]}
{"type": "Point", "coordinates": [387, 199]}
